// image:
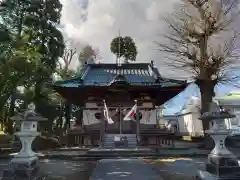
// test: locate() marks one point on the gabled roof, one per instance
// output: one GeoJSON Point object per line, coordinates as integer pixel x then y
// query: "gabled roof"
{"type": "Point", "coordinates": [143, 74]}
{"type": "Point", "coordinates": [230, 96]}
{"type": "Point", "coordinates": [193, 103]}
{"type": "Point", "coordinates": [230, 99]}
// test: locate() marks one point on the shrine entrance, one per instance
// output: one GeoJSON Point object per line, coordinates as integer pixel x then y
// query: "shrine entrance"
{"type": "Point", "coordinates": [120, 126]}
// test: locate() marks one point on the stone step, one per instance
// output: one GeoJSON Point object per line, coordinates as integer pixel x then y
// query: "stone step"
{"type": "Point", "coordinates": [108, 141]}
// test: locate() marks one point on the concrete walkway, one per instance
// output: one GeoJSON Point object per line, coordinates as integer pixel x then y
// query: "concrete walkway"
{"type": "Point", "coordinates": [124, 169]}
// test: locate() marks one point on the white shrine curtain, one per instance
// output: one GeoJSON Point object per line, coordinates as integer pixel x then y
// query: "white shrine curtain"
{"type": "Point", "coordinates": [89, 116]}
{"type": "Point", "coordinates": [148, 117]}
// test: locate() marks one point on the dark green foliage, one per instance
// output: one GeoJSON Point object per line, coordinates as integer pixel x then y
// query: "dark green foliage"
{"type": "Point", "coordinates": [5, 139]}
{"type": "Point", "coordinates": [43, 16]}
{"type": "Point", "coordinates": [44, 142]}
{"type": "Point", "coordinates": [124, 47]}
{"type": "Point", "coordinates": [5, 35]}
{"type": "Point", "coordinates": [30, 46]}
{"type": "Point", "coordinates": [117, 46]}
{"type": "Point", "coordinates": [130, 49]}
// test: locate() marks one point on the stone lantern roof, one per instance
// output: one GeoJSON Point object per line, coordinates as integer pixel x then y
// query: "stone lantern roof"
{"type": "Point", "coordinates": [29, 115]}
{"type": "Point", "coordinates": [216, 113]}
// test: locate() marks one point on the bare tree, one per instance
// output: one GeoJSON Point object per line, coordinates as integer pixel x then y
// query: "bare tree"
{"type": "Point", "coordinates": [88, 53]}
{"type": "Point", "coordinates": [67, 58]}
{"type": "Point", "coordinates": [194, 45]}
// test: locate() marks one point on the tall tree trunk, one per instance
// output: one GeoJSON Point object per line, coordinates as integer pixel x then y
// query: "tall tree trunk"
{"type": "Point", "coordinates": [67, 115]}
{"type": "Point", "coordinates": [20, 13]}
{"type": "Point", "coordinates": [11, 113]}
{"type": "Point", "coordinates": [37, 93]}
{"type": "Point", "coordinates": [207, 93]}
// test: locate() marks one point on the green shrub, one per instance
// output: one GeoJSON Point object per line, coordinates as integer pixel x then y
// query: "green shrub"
{"type": "Point", "coordinates": [43, 143]}
{"type": "Point", "coordinates": [5, 139]}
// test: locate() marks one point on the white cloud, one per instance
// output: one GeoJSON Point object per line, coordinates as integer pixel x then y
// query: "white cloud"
{"type": "Point", "coordinates": [97, 22]}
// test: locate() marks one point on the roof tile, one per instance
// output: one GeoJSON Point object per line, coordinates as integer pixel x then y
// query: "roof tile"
{"type": "Point", "coordinates": [103, 74]}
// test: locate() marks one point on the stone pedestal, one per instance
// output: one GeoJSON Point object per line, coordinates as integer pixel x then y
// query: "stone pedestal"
{"type": "Point", "coordinates": [22, 169]}
{"type": "Point", "coordinates": [25, 165]}
{"type": "Point", "coordinates": [222, 164]}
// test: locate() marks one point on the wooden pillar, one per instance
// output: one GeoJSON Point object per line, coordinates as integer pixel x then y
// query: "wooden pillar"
{"type": "Point", "coordinates": [102, 129]}
{"type": "Point", "coordinates": [79, 120]}
{"type": "Point", "coordinates": [120, 120]}
{"type": "Point", "coordinates": [137, 126]}
{"type": "Point", "coordinates": [105, 127]}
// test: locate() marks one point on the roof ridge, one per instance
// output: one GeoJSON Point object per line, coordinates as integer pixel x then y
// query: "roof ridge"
{"type": "Point", "coordinates": [123, 66]}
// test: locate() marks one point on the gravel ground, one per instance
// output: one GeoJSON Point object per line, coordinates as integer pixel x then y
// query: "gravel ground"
{"type": "Point", "coordinates": [178, 168]}
{"type": "Point", "coordinates": [124, 169]}
{"type": "Point", "coordinates": [61, 170]}
{"type": "Point", "coordinates": [168, 168]}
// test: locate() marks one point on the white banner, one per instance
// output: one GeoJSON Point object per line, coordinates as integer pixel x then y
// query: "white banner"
{"type": "Point", "coordinates": [148, 117]}
{"type": "Point", "coordinates": [89, 116]}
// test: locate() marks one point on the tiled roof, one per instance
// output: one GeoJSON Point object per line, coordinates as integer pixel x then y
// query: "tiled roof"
{"type": "Point", "coordinates": [107, 74]}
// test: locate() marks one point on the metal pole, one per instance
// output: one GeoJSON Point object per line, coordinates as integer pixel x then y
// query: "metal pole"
{"type": "Point", "coordinates": [119, 47]}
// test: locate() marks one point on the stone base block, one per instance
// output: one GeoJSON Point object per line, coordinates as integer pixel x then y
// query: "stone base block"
{"type": "Point", "coordinates": [22, 169]}
{"type": "Point", "coordinates": [223, 170]}
{"type": "Point", "coordinates": [205, 175]}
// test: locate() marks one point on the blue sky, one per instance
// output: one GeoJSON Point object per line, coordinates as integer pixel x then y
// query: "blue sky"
{"type": "Point", "coordinates": [176, 103]}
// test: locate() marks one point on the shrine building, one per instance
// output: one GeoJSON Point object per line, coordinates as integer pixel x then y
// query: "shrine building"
{"type": "Point", "coordinates": [120, 86]}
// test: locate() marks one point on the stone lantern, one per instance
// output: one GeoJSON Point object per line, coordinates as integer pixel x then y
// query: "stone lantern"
{"type": "Point", "coordinates": [222, 164]}
{"type": "Point", "coordinates": [25, 164]}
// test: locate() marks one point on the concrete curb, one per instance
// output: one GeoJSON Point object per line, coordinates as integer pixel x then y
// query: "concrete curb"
{"type": "Point", "coordinates": [98, 157]}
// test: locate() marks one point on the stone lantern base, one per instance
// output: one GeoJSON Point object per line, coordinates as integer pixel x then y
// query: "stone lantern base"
{"type": "Point", "coordinates": [220, 168]}
{"type": "Point", "coordinates": [230, 173]}
{"type": "Point", "coordinates": [22, 168]}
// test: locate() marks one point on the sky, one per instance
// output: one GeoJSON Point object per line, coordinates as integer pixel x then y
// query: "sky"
{"type": "Point", "coordinates": [97, 22]}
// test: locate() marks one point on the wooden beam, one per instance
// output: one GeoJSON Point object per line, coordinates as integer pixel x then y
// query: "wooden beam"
{"type": "Point", "coordinates": [127, 102]}
{"type": "Point", "coordinates": [113, 108]}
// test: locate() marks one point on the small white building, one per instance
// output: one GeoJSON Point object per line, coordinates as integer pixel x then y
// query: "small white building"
{"type": "Point", "coordinates": [190, 125]}
{"type": "Point", "coordinates": [231, 102]}
{"type": "Point", "coordinates": [188, 122]}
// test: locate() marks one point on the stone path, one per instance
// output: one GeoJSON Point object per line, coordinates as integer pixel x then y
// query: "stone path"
{"type": "Point", "coordinates": [124, 169]}
{"type": "Point", "coordinates": [60, 170]}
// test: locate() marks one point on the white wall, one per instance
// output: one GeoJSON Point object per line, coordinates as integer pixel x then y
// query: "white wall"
{"type": "Point", "coordinates": [188, 118]}
{"type": "Point", "coordinates": [189, 124]}
{"type": "Point", "coordinates": [89, 117]}
{"type": "Point", "coordinates": [197, 125]}
{"type": "Point", "coordinates": [149, 117]}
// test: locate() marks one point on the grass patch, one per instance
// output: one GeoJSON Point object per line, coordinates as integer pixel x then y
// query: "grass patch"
{"type": "Point", "coordinates": [167, 160]}
{"type": "Point", "coordinates": [187, 138]}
